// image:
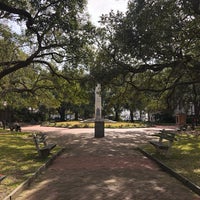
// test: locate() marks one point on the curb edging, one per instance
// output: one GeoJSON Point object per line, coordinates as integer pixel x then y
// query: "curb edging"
{"type": "Point", "coordinates": [195, 188]}
{"type": "Point", "coordinates": [28, 182]}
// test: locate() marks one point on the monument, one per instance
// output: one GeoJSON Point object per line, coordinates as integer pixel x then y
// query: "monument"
{"type": "Point", "coordinates": [99, 122]}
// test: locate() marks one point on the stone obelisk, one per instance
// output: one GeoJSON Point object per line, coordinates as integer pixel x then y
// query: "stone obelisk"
{"type": "Point", "coordinates": [99, 122]}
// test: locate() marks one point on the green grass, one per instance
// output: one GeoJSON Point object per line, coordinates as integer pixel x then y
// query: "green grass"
{"type": "Point", "coordinates": [78, 124]}
{"type": "Point", "coordinates": [184, 156]}
{"type": "Point", "coordinates": [18, 158]}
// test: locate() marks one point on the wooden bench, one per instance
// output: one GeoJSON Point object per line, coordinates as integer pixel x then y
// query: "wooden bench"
{"type": "Point", "coordinates": [164, 142]}
{"type": "Point", "coordinates": [15, 127]}
{"type": "Point", "coordinates": [189, 130]}
{"type": "Point", "coordinates": [2, 177]}
{"type": "Point", "coordinates": [43, 148]}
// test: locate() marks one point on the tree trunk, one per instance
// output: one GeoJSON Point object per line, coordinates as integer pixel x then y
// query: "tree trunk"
{"type": "Point", "coordinates": [149, 118]}
{"type": "Point", "coordinates": [140, 115]}
{"type": "Point", "coordinates": [76, 115]}
{"type": "Point", "coordinates": [131, 115]}
{"type": "Point", "coordinates": [116, 116]}
{"type": "Point", "coordinates": [62, 114]}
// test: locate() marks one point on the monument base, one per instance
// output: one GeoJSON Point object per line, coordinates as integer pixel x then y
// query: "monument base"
{"type": "Point", "coordinates": [99, 129]}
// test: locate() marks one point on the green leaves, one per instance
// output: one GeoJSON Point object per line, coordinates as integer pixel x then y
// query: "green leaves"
{"type": "Point", "coordinates": [52, 32]}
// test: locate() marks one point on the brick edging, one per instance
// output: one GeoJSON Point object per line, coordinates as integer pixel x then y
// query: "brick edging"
{"type": "Point", "coordinates": [28, 182]}
{"type": "Point", "coordinates": [195, 188]}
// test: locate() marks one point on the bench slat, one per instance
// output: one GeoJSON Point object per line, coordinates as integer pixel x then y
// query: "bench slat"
{"type": "Point", "coordinates": [165, 141]}
{"type": "Point", "coordinates": [49, 146]}
{"type": "Point", "coordinates": [41, 144]}
{"type": "Point", "coordinates": [159, 144]}
{"type": "Point", "coordinates": [2, 177]}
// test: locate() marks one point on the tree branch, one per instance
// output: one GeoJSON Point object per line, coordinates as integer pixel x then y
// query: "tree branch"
{"type": "Point", "coordinates": [20, 12]}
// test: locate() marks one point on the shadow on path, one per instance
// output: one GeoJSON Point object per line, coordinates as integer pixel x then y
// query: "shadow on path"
{"type": "Point", "coordinates": [108, 168]}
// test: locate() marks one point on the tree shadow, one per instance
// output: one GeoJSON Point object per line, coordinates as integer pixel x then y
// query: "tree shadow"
{"type": "Point", "coordinates": [105, 168]}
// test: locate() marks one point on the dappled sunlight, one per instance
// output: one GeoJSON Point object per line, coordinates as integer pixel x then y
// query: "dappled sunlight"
{"type": "Point", "coordinates": [42, 185]}
{"type": "Point", "coordinates": [109, 181]}
{"type": "Point", "coordinates": [197, 171]}
{"type": "Point", "coordinates": [19, 159]}
{"type": "Point", "coordinates": [114, 184]}
{"type": "Point", "coordinates": [84, 186]}
{"type": "Point", "coordinates": [159, 189]}
{"type": "Point", "coordinates": [184, 157]}
{"type": "Point", "coordinates": [104, 168]}
{"type": "Point", "coordinates": [187, 148]}
{"type": "Point", "coordinates": [114, 143]}
{"type": "Point", "coordinates": [92, 187]}
{"type": "Point", "coordinates": [45, 183]}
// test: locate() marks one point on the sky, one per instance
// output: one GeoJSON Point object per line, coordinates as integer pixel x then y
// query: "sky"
{"type": "Point", "coordinates": [98, 7]}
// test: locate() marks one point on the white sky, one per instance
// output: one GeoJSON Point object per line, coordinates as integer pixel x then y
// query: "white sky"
{"type": "Point", "coordinates": [98, 7]}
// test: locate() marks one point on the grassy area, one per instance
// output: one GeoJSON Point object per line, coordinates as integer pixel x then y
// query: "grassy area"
{"type": "Point", "coordinates": [18, 158]}
{"type": "Point", "coordinates": [78, 124]}
{"type": "Point", "coordinates": [184, 156]}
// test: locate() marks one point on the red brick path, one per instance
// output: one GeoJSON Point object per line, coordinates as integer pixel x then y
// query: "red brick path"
{"type": "Point", "coordinates": [109, 168]}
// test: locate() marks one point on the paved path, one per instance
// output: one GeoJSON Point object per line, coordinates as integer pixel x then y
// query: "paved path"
{"type": "Point", "coordinates": [108, 168]}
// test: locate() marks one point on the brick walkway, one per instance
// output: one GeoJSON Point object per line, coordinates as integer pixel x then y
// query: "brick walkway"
{"type": "Point", "coordinates": [109, 168]}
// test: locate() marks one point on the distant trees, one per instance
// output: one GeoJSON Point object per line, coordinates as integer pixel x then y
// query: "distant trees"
{"type": "Point", "coordinates": [153, 48]}
{"type": "Point", "coordinates": [47, 40]}
{"type": "Point", "coordinates": [146, 59]}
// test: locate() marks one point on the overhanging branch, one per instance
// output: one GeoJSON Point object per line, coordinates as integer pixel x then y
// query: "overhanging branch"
{"type": "Point", "coordinates": [20, 12]}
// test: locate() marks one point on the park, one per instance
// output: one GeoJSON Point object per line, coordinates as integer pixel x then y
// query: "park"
{"type": "Point", "coordinates": [99, 112]}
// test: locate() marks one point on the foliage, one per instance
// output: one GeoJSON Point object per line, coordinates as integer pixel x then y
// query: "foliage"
{"type": "Point", "coordinates": [146, 59]}
{"type": "Point", "coordinates": [35, 90]}
{"type": "Point", "coordinates": [153, 48]}
{"type": "Point", "coordinates": [72, 96]}
{"type": "Point", "coordinates": [141, 42]}
{"type": "Point", "coordinates": [53, 32]}
{"type": "Point", "coordinates": [53, 40]}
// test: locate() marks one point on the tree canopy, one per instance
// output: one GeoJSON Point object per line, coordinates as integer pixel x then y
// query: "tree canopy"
{"type": "Point", "coordinates": [52, 33]}
{"type": "Point", "coordinates": [153, 37]}
{"type": "Point", "coordinates": [150, 53]}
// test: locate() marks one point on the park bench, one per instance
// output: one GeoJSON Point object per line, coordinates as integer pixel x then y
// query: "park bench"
{"type": "Point", "coordinates": [43, 147]}
{"type": "Point", "coordinates": [189, 130]}
{"type": "Point", "coordinates": [2, 177]}
{"type": "Point", "coordinates": [15, 127]}
{"type": "Point", "coordinates": [164, 142]}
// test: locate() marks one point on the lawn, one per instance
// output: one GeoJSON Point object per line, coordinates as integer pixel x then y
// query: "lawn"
{"type": "Point", "coordinates": [18, 159]}
{"type": "Point", "coordinates": [184, 156]}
